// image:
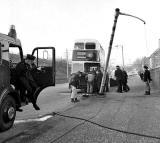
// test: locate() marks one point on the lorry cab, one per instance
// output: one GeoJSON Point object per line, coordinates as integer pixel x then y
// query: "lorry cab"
{"type": "Point", "coordinates": [11, 96]}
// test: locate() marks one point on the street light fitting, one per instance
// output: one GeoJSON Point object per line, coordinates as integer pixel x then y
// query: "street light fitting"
{"type": "Point", "coordinates": [118, 11]}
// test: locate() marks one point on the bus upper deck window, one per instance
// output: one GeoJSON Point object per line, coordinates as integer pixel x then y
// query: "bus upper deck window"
{"type": "Point", "coordinates": [79, 46]}
{"type": "Point", "coordinates": [90, 46]}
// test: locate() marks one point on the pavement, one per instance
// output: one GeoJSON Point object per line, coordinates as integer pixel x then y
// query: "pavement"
{"type": "Point", "coordinates": [129, 117]}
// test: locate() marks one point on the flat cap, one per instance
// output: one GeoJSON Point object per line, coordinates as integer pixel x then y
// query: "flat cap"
{"type": "Point", "coordinates": [30, 57]}
{"type": "Point", "coordinates": [145, 67]}
{"type": "Point", "coordinates": [117, 66]}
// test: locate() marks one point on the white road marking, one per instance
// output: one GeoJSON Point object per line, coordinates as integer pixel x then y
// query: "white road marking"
{"type": "Point", "coordinates": [32, 120]}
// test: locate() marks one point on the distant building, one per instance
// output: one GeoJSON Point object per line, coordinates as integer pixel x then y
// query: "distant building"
{"type": "Point", "coordinates": [146, 61]}
{"type": "Point", "coordinates": [154, 59]}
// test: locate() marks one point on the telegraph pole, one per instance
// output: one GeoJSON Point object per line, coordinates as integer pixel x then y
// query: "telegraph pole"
{"type": "Point", "coordinates": [122, 54]}
{"type": "Point", "coordinates": [67, 61]}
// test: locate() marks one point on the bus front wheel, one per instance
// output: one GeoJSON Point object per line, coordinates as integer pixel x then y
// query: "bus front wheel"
{"type": "Point", "coordinates": [7, 113]}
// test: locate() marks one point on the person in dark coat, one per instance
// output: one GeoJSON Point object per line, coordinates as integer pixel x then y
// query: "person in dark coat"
{"type": "Point", "coordinates": [147, 79]}
{"type": "Point", "coordinates": [125, 87]}
{"type": "Point", "coordinates": [119, 78]}
{"type": "Point", "coordinates": [25, 79]}
{"type": "Point", "coordinates": [99, 76]}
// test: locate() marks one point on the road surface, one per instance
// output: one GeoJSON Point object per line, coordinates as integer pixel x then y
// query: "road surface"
{"type": "Point", "coordinates": [130, 117]}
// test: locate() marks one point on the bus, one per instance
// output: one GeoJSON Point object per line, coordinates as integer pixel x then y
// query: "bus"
{"type": "Point", "coordinates": [87, 54]}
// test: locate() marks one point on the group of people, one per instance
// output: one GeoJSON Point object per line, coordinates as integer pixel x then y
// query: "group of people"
{"type": "Point", "coordinates": [121, 78]}
{"type": "Point", "coordinates": [94, 77]}
{"type": "Point", "coordinates": [92, 80]}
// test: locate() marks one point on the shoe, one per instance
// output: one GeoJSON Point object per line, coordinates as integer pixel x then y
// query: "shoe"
{"type": "Point", "coordinates": [85, 95]}
{"type": "Point", "coordinates": [76, 100]}
{"type": "Point", "coordinates": [119, 91]}
{"type": "Point", "coordinates": [147, 93]}
{"type": "Point", "coordinates": [36, 107]}
{"type": "Point", "coordinates": [72, 99]}
{"type": "Point", "coordinates": [19, 110]}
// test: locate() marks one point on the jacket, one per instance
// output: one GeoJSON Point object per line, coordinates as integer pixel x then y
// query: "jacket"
{"type": "Point", "coordinates": [73, 80]}
{"type": "Point", "coordinates": [90, 77]}
{"type": "Point", "coordinates": [24, 70]}
{"type": "Point", "coordinates": [118, 74]}
{"type": "Point", "coordinates": [147, 76]}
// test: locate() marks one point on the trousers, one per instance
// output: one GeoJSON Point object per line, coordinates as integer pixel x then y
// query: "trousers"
{"type": "Point", "coordinates": [147, 86]}
{"type": "Point", "coordinates": [73, 92]}
{"type": "Point", "coordinates": [30, 86]}
{"type": "Point", "coordinates": [90, 87]}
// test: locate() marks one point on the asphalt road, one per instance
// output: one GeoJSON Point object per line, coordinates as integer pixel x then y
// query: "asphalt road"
{"type": "Point", "coordinates": [130, 117]}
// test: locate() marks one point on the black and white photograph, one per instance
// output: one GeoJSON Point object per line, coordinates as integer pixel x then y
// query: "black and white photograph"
{"type": "Point", "coordinates": [79, 71]}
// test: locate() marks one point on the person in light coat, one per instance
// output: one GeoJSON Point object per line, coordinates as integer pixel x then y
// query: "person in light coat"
{"type": "Point", "coordinates": [90, 77]}
{"type": "Point", "coordinates": [73, 84]}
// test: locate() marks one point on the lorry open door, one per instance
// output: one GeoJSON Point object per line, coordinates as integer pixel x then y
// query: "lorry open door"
{"type": "Point", "coordinates": [45, 63]}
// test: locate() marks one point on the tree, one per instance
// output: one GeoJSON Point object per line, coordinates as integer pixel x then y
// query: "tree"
{"type": "Point", "coordinates": [138, 63]}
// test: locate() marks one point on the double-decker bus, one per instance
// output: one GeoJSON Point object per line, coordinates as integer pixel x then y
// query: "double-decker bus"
{"type": "Point", "coordinates": [87, 54]}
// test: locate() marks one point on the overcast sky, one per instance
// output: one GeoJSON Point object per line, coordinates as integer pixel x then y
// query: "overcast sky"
{"type": "Point", "coordinates": [59, 22]}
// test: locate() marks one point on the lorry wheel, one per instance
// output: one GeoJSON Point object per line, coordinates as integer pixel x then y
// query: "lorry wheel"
{"type": "Point", "coordinates": [7, 113]}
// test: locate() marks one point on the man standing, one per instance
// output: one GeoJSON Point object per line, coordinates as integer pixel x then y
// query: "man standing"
{"type": "Point", "coordinates": [98, 80]}
{"type": "Point", "coordinates": [25, 79]}
{"type": "Point", "coordinates": [147, 79]}
{"type": "Point", "coordinates": [90, 77]}
{"type": "Point", "coordinates": [119, 78]}
{"type": "Point", "coordinates": [124, 81]}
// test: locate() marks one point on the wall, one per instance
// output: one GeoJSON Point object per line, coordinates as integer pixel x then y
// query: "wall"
{"type": "Point", "coordinates": [155, 75]}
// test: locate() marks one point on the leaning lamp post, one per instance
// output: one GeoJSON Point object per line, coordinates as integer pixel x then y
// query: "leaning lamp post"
{"type": "Point", "coordinates": [117, 13]}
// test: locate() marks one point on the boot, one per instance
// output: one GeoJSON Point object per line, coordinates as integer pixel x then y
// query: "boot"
{"type": "Point", "coordinates": [72, 99]}
{"type": "Point", "coordinates": [147, 93]}
{"type": "Point", "coordinates": [36, 107]}
{"type": "Point", "coordinates": [76, 100]}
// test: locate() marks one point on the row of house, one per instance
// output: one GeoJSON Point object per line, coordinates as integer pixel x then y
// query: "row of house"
{"type": "Point", "coordinates": [154, 59]}
{"type": "Point", "coordinates": [153, 62]}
